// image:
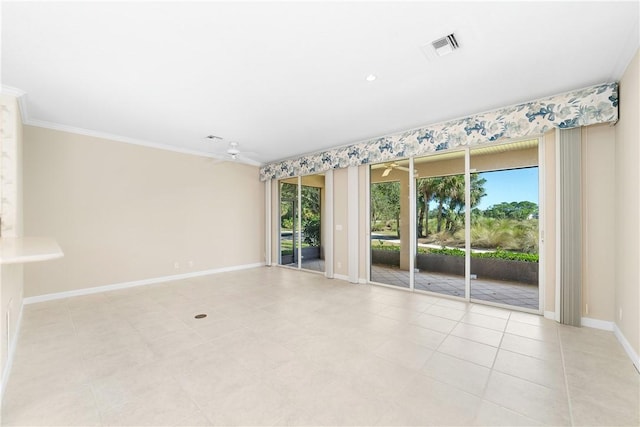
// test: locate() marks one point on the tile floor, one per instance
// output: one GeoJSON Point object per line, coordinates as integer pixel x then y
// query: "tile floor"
{"type": "Point", "coordinates": [282, 347]}
{"type": "Point", "coordinates": [497, 291]}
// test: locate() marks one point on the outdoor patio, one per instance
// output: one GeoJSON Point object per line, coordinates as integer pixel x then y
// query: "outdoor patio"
{"type": "Point", "coordinates": [501, 292]}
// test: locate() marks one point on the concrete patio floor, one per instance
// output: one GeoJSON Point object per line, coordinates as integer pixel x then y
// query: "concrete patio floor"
{"type": "Point", "coordinates": [510, 293]}
{"type": "Point", "coordinates": [501, 292]}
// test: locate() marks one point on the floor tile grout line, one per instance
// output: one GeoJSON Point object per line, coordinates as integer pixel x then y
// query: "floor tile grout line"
{"type": "Point", "coordinates": [566, 379]}
{"type": "Point", "coordinates": [492, 369]}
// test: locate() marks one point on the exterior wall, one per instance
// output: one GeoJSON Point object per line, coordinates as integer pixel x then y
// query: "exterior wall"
{"type": "Point", "coordinates": [11, 189]}
{"type": "Point", "coordinates": [123, 213]}
{"type": "Point", "coordinates": [627, 208]}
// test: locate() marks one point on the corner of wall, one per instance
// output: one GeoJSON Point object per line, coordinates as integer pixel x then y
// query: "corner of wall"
{"type": "Point", "coordinates": [11, 276]}
{"type": "Point", "coordinates": [627, 211]}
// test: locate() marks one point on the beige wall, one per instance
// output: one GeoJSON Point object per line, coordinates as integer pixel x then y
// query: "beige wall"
{"type": "Point", "coordinates": [627, 207]}
{"type": "Point", "coordinates": [340, 221]}
{"type": "Point", "coordinates": [598, 201]}
{"type": "Point", "coordinates": [275, 222]}
{"type": "Point", "coordinates": [123, 213]}
{"type": "Point", "coordinates": [363, 232]}
{"type": "Point", "coordinates": [549, 222]}
{"type": "Point", "coordinates": [11, 189]}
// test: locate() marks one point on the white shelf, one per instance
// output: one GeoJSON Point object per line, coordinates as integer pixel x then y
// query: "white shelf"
{"type": "Point", "coordinates": [16, 250]}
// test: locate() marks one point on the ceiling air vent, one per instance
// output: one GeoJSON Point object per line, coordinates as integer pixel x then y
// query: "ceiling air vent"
{"type": "Point", "coordinates": [441, 47]}
{"type": "Point", "coordinates": [445, 45]}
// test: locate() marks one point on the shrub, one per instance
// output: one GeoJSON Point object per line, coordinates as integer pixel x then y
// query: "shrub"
{"type": "Point", "coordinates": [311, 230]}
{"type": "Point", "coordinates": [499, 254]}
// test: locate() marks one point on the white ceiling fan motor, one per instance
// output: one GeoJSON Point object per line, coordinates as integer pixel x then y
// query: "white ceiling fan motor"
{"type": "Point", "coordinates": [233, 150]}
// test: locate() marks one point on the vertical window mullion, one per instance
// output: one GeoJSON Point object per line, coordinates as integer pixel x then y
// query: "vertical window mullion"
{"type": "Point", "coordinates": [467, 225]}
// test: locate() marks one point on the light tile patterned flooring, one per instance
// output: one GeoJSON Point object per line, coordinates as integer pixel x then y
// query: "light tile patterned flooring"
{"type": "Point", "coordinates": [283, 347]}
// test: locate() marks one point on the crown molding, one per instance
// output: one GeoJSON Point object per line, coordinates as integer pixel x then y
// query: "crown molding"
{"type": "Point", "coordinates": [133, 141]}
{"type": "Point", "coordinates": [21, 97]}
{"type": "Point", "coordinates": [117, 138]}
{"type": "Point", "coordinates": [581, 107]}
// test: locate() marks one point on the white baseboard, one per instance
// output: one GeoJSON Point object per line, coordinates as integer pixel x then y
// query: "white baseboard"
{"type": "Point", "coordinates": [362, 281]}
{"type": "Point", "coordinates": [10, 353]}
{"type": "Point", "coordinates": [124, 285]}
{"type": "Point", "coordinates": [604, 325]}
{"type": "Point", "coordinates": [635, 359]}
{"type": "Point", "coordinates": [341, 277]}
{"type": "Point", "coordinates": [550, 315]}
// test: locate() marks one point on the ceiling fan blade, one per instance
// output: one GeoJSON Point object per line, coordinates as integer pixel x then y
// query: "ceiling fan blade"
{"type": "Point", "coordinates": [386, 172]}
{"type": "Point", "coordinates": [402, 168]}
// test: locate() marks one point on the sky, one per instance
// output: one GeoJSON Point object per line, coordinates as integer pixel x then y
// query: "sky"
{"type": "Point", "coordinates": [515, 185]}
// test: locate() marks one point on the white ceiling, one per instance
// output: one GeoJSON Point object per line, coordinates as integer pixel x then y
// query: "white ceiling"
{"type": "Point", "coordinates": [285, 78]}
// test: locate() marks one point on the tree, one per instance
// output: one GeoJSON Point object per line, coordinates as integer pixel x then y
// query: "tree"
{"type": "Point", "coordinates": [449, 193]}
{"type": "Point", "coordinates": [385, 202]}
{"type": "Point", "coordinates": [426, 189]}
{"type": "Point", "coordinates": [512, 210]}
{"type": "Point", "coordinates": [310, 207]}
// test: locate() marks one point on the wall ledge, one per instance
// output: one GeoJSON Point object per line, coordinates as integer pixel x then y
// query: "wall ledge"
{"type": "Point", "coordinates": [143, 282]}
{"type": "Point", "coordinates": [6, 370]}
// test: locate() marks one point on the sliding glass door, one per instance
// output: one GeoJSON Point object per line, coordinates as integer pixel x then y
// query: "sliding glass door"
{"type": "Point", "coordinates": [440, 223]}
{"type": "Point", "coordinates": [311, 196]}
{"type": "Point", "coordinates": [504, 225]}
{"type": "Point", "coordinates": [476, 224]}
{"type": "Point", "coordinates": [389, 233]}
{"type": "Point", "coordinates": [301, 222]}
{"type": "Point", "coordinates": [289, 224]}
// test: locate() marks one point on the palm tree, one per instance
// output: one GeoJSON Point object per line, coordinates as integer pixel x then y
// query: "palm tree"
{"type": "Point", "coordinates": [449, 191]}
{"type": "Point", "coordinates": [426, 188]}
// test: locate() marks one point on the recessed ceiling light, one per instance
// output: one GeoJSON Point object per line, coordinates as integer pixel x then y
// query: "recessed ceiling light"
{"type": "Point", "coordinates": [371, 77]}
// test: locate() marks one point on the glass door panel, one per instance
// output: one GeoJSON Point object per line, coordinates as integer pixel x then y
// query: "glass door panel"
{"type": "Point", "coordinates": [504, 225]}
{"type": "Point", "coordinates": [289, 243]}
{"type": "Point", "coordinates": [440, 223]}
{"type": "Point", "coordinates": [389, 234]}
{"type": "Point", "coordinates": [311, 200]}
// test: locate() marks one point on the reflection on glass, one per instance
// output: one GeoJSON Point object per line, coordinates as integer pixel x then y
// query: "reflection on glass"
{"type": "Point", "coordinates": [504, 226]}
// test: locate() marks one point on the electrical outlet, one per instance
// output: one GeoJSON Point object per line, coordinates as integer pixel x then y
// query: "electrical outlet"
{"type": "Point", "coordinates": [338, 264]}
{"type": "Point", "coordinates": [176, 265]}
{"type": "Point", "coordinates": [620, 314]}
{"type": "Point", "coordinates": [586, 309]}
{"type": "Point", "coordinates": [190, 264]}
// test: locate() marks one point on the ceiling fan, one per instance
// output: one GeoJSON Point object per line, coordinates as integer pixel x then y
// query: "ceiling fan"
{"type": "Point", "coordinates": [392, 166]}
{"type": "Point", "coordinates": [233, 151]}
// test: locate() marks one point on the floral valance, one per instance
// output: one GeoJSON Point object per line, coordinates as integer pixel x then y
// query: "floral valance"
{"type": "Point", "coordinates": [597, 104]}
